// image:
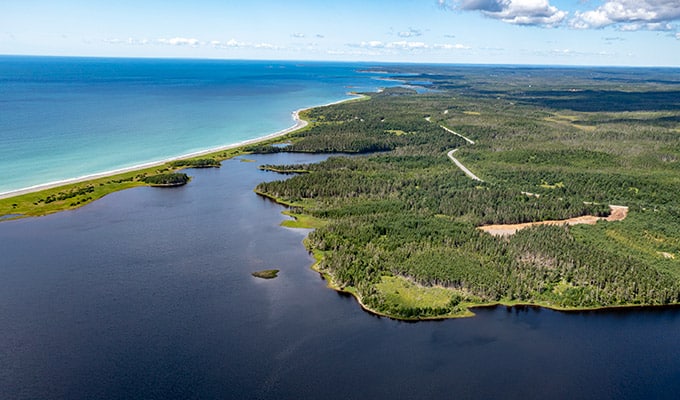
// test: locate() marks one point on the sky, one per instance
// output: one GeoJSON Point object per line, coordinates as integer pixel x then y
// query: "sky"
{"type": "Point", "coordinates": [544, 32]}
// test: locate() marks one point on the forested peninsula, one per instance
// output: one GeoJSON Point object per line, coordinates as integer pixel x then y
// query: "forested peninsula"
{"type": "Point", "coordinates": [398, 225]}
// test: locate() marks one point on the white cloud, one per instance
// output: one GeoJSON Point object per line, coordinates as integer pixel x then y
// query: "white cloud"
{"type": "Point", "coordinates": [406, 45]}
{"type": "Point", "coordinates": [590, 19]}
{"type": "Point", "coordinates": [677, 35]}
{"type": "Point", "coordinates": [567, 52]}
{"type": "Point", "coordinates": [624, 15]}
{"type": "Point", "coordinates": [563, 51]}
{"type": "Point", "coordinates": [651, 26]}
{"type": "Point", "coordinates": [236, 43]}
{"type": "Point", "coordinates": [114, 41]}
{"type": "Point", "coordinates": [180, 41]}
{"type": "Point", "coordinates": [298, 35]}
{"type": "Point", "coordinates": [354, 52]}
{"type": "Point", "coordinates": [370, 44]}
{"type": "Point", "coordinates": [518, 12]}
{"type": "Point", "coordinates": [630, 15]}
{"type": "Point", "coordinates": [129, 41]}
{"type": "Point", "coordinates": [233, 43]}
{"type": "Point", "coordinates": [457, 46]}
{"type": "Point", "coordinates": [410, 33]}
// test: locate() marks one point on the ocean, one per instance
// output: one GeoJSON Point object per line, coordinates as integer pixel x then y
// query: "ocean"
{"type": "Point", "coordinates": [63, 118]}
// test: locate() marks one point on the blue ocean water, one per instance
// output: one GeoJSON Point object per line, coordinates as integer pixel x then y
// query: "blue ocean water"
{"type": "Point", "coordinates": [63, 118]}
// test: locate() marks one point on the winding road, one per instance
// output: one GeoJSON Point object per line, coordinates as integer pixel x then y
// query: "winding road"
{"type": "Point", "coordinates": [618, 213]}
{"type": "Point", "coordinates": [457, 134]}
{"type": "Point", "coordinates": [455, 161]}
{"type": "Point", "coordinates": [461, 166]}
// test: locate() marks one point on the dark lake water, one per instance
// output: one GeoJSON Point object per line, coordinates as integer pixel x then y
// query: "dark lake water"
{"type": "Point", "coordinates": [147, 294]}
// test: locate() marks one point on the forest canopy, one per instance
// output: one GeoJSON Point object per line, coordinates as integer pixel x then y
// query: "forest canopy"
{"type": "Point", "coordinates": [550, 144]}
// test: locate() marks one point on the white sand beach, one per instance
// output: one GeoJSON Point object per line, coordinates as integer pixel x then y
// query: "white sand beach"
{"type": "Point", "coordinates": [299, 124]}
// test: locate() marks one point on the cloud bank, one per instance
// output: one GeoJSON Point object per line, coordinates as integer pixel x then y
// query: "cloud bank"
{"type": "Point", "coordinates": [518, 12]}
{"type": "Point", "coordinates": [233, 43]}
{"type": "Point", "coordinates": [630, 15]}
{"type": "Point", "coordinates": [190, 42]}
{"type": "Point", "coordinates": [180, 41]}
{"type": "Point", "coordinates": [410, 33]}
{"type": "Point", "coordinates": [407, 45]}
{"type": "Point", "coordinates": [624, 15]}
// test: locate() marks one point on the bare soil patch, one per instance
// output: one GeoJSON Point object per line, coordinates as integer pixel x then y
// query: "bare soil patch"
{"type": "Point", "coordinates": [618, 213]}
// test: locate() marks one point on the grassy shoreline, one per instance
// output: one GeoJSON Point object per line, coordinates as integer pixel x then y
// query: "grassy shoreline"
{"type": "Point", "coordinates": [466, 308]}
{"type": "Point", "coordinates": [30, 202]}
{"type": "Point", "coordinates": [74, 195]}
{"type": "Point", "coordinates": [26, 202]}
{"type": "Point", "coordinates": [470, 307]}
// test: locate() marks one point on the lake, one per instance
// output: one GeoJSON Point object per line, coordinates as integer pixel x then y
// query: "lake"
{"type": "Point", "coordinates": [148, 294]}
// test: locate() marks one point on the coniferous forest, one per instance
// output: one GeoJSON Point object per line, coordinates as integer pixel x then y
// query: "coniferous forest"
{"type": "Point", "coordinates": [402, 221]}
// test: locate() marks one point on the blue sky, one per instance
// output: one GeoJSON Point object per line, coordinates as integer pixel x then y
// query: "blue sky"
{"type": "Point", "coordinates": [565, 32]}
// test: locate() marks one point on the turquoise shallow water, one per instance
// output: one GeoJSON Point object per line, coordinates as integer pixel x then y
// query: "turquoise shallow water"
{"type": "Point", "coordinates": [63, 118]}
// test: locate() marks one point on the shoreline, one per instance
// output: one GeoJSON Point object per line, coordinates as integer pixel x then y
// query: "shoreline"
{"type": "Point", "coordinates": [298, 124]}
{"type": "Point", "coordinates": [471, 307]}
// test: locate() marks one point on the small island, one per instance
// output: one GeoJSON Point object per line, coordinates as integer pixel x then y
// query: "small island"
{"type": "Point", "coordinates": [172, 179]}
{"type": "Point", "coordinates": [266, 274]}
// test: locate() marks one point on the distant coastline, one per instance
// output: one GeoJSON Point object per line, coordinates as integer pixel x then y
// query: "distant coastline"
{"type": "Point", "coordinates": [299, 123]}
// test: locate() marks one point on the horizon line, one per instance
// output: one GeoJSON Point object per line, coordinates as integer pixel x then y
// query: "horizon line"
{"type": "Point", "coordinates": [432, 63]}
